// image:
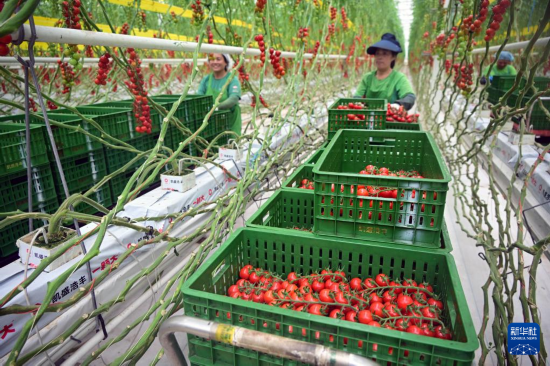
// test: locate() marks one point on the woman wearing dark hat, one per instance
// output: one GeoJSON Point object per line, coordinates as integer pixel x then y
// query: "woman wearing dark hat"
{"type": "Point", "coordinates": [385, 83]}
{"type": "Point", "coordinates": [213, 83]}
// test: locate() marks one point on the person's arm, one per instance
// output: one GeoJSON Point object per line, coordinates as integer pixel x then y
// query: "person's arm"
{"type": "Point", "coordinates": [513, 71]}
{"type": "Point", "coordinates": [202, 86]}
{"type": "Point", "coordinates": [234, 93]}
{"type": "Point", "coordinates": [405, 93]}
{"type": "Point", "coordinates": [361, 89]}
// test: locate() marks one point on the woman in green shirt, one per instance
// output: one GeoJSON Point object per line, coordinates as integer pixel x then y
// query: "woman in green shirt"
{"type": "Point", "coordinates": [503, 67]}
{"type": "Point", "coordinates": [385, 83]}
{"type": "Point", "coordinates": [213, 83]}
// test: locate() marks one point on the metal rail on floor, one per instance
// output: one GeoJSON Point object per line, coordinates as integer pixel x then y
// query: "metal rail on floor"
{"type": "Point", "coordinates": [288, 348]}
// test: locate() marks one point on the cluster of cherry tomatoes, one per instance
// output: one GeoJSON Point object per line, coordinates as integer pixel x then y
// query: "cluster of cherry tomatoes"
{"type": "Point", "coordinates": [261, 44]}
{"type": "Point", "coordinates": [351, 106]}
{"type": "Point", "coordinates": [125, 28]}
{"type": "Point", "coordinates": [104, 67]}
{"type": "Point", "coordinates": [71, 13]}
{"type": "Point", "coordinates": [67, 76]}
{"type": "Point", "coordinates": [198, 13]}
{"type": "Point", "coordinates": [400, 115]}
{"type": "Point", "coordinates": [344, 18]}
{"type": "Point", "coordinates": [260, 5]}
{"type": "Point", "coordinates": [210, 35]}
{"type": "Point", "coordinates": [275, 58]}
{"type": "Point", "coordinates": [243, 75]}
{"type": "Point", "coordinates": [333, 13]}
{"type": "Point", "coordinates": [142, 111]}
{"type": "Point", "coordinates": [464, 78]}
{"type": "Point", "coordinates": [498, 11]}
{"type": "Point", "coordinates": [306, 184]}
{"type": "Point", "coordinates": [4, 42]}
{"type": "Point", "coordinates": [262, 101]}
{"type": "Point", "coordinates": [401, 305]}
{"type": "Point", "coordinates": [303, 33]}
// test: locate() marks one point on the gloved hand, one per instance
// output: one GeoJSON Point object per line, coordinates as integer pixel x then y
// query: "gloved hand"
{"type": "Point", "coordinates": [483, 80]}
{"type": "Point", "coordinates": [395, 106]}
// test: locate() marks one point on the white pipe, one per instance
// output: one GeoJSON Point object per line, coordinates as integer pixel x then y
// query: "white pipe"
{"type": "Point", "coordinates": [89, 38]}
{"type": "Point", "coordinates": [292, 349]}
{"type": "Point", "coordinates": [514, 46]}
{"type": "Point", "coordinates": [50, 60]}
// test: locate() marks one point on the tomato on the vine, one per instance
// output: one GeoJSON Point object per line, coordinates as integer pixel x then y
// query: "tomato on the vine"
{"type": "Point", "coordinates": [382, 280]}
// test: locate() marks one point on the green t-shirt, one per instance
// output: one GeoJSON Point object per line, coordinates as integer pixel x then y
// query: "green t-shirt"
{"type": "Point", "coordinates": [394, 87]}
{"type": "Point", "coordinates": [234, 87]}
{"type": "Point", "coordinates": [509, 70]}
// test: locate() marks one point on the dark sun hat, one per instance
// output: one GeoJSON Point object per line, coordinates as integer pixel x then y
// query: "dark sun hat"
{"type": "Point", "coordinates": [388, 42]}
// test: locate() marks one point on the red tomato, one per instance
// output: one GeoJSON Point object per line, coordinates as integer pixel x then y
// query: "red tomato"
{"type": "Point", "coordinates": [317, 286]}
{"type": "Point", "coordinates": [362, 192]}
{"type": "Point", "coordinates": [291, 277]}
{"type": "Point", "coordinates": [410, 283]}
{"type": "Point", "coordinates": [391, 310]}
{"type": "Point", "coordinates": [253, 277]}
{"type": "Point", "coordinates": [6, 39]}
{"type": "Point", "coordinates": [404, 300]}
{"type": "Point", "coordinates": [303, 282]}
{"type": "Point", "coordinates": [374, 324]}
{"type": "Point", "coordinates": [382, 280]}
{"type": "Point", "coordinates": [291, 288]}
{"type": "Point", "coordinates": [389, 296]}
{"type": "Point", "coordinates": [326, 296]}
{"type": "Point", "coordinates": [397, 291]}
{"type": "Point", "coordinates": [269, 297]}
{"type": "Point", "coordinates": [384, 170]}
{"type": "Point", "coordinates": [415, 330]}
{"type": "Point", "coordinates": [370, 283]}
{"type": "Point", "coordinates": [335, 314]}
{"type": "Point", "coordinates": [351, 316]}
{"type": "Point", "coordinates": [435, 302]}
{"type": "Point", "coordinates": [429, 312]}
{"type": "Point", "coordinates": [232, 289]}
{"type": "Point", "coordinates": [427, 329]}
{"type": "Point", "coordinates": [4, 50]}
{"type": "Point", "coordinates": [356, 284]}
{"type": "Point", "coordinates": [316, 309]}
{"type": "Point", "coordinates": [245, 272]}
{"type": "Point", "coordinates": [364, 316]}
{"type": "Point", "coordinates": [376, 308]}
{"type": "Point", "coordinates": [442, 333]}
{"type": "Point", "coordinates": [373, 297]}
{"type": "Point", "coordinates": [341, 298]}
{"type": "Point", "coordinates": [257, 297]}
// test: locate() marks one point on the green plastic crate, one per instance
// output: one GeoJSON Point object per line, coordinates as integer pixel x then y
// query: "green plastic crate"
{"type": "Point", "coordinates": [11, 233]}
{"type": "Point", "coordinates": [81, 172]}
{"type": "Point", "coordinates": [503, 83]}
{"type": "Point", "coordinates": [494, 95]}
{"type": "Point", "coordinates": [294, 181]}
{"type": "Point", "coordinates": [119, 182]}
{"type": "Point", "coordinates": [13, 147]}
{"type": "Point", "coordinates": [117, 158]}
{"type": "Point", "coordinates": [192, 108]}
{"type": "Point", "coordinates": [294, 210]}
{"type": "Point", "coordinates": [117, 122]}
{"type": "Point", "coordinates": [375, 115]}
{"type": "Point", "coordinates": [218, 123]}
{"type": "Point", "coordinates": [286, 209]}
{"type": "Point", "coordinates": [538, 120]}
{"type": "Point", "coordinates": [204, 296]}
{"type": "Point", "coordinates": [68, 142]}
{"type": "Point", "coordinates": [103, 196]}
{"type": "Point", "coordinates": [403, 126]}
{"type": "Point", "coordinates": [414, 217]}
{"type": "Point", "coordinates": [13, 189]}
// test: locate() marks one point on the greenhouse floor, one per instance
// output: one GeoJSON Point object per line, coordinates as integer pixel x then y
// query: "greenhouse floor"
{"type": "Point", "coordinates": [473, 273]}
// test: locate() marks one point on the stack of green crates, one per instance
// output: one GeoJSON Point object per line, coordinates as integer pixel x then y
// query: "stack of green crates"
{"type": "Point", "coordinates": [373, 117]}
{"type": "Point", "coordinates": [415, 217]}
{"type": "Point", "coordinates": [69, 142]}
{"type": "Point", "coordinates": [82, 172]}
{"type": "Point", "coordinates": [14, 184]}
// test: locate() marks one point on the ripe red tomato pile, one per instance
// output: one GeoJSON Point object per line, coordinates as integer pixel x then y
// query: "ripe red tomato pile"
{"type": "Point", "coordinates": [373, 170]}
{"type": "Point", "coordinates": [400, 115]}
{"type": "Point", "coordinates": [354, 117]}
{"type": "Point", "coordinates": [306, 184]}
{"type": "Point", "coordinates": [402, 305]}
